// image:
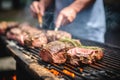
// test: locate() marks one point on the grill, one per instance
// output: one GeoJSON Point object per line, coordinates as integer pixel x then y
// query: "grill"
{"type": "Point", "coordinates": [106, 69]}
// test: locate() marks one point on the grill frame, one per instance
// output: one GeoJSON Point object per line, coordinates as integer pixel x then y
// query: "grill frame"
{"type": "Point", "coordinates": [29, 61]}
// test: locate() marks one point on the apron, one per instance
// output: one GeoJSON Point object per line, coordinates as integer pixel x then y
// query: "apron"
{"type": "Point", "coordinates": [89, 23]}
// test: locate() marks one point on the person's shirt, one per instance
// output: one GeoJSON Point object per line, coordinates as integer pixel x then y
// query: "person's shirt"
{"type": "Point", "coordinates": [89, 23]}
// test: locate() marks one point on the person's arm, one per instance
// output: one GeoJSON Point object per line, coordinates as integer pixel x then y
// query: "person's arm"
{"type": "Point", "coordinates": [69, 13]}
{"type": "Point", "coordinates": [79, 5]}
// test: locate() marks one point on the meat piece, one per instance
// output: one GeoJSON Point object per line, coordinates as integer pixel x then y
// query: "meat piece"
{"type": "Point", "coordinates": [55, 35]}
{"type": "Point", "coordinates": [6, 26]}
{"type": "Point", "coordinates": [55, 52]}
{"type": "Point", "coordinates": [23, 38]}
{"type": "Point", "coordinates": [88, 55]}
{"type": "Point", "coordinates": [35, 40]}
{"type": "Point", "coordinates": [29, 29]}
{"type": "Point", "coordinates": [60, 52]}
{"type": "Point", "coordinates": [17, 34]}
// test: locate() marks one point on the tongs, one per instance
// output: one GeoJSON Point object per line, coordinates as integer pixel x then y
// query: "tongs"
{"type": "Point", "coordinates": [56, 29]}
{"type": "Point", "coordinates": [40, 20]}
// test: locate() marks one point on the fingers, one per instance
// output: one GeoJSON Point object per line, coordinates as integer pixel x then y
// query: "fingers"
{"type": "Point", "coordinates": [42, 9]}
{"type": "Point", "coordinates": [59, 21]}
{"type": "Point", "coordinates": [32, 11]}
{"type": "Point", "coordinates": [65, 21]}
{"type": "Point", "coordinates": [35, 7]}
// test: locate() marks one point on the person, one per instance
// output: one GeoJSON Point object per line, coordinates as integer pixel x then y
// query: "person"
{"type": "Point", "coordinates": [82, 18]}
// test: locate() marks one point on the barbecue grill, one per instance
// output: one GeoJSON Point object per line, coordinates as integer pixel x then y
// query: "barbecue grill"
{"type": "Point", "coordinates": [106, 69]}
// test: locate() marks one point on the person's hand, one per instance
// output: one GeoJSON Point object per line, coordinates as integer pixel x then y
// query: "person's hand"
{"type": "Point", "coordinates": [37, 7]}
{"type": "Point", "coordinates": [66, 15]}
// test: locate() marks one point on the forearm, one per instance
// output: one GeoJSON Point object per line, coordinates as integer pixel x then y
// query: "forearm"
{"type": "Point", "coordinates": [79, 5]}
{"type": "Point", "coordinates": [47, 3]}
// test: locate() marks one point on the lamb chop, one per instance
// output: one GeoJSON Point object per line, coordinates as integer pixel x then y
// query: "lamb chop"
{"type": "Point", "coordinates": [84, 55]}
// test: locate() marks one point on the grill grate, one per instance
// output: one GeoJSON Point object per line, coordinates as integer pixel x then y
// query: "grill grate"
{"type": "Point", "coordinates": [106, 69]}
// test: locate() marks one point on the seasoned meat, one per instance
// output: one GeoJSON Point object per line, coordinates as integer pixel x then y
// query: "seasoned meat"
{"type": "Point", "coordinates": [84, 55]}
{"type": "Point", "coordinates": [69, 51]}
{"type": "Point", "coordinates": [29, 29]}
{"type": "Point", "coordinates": [55, 52]}
{"type": "Point", "coordinates": [24, 38]}
{"type": "Point", "coordinates": [36, 40]}
{"type": "Point", "coordinates": [17, 34]}
{"type": "Point", "coordinates": [55, 35]}
{"type": "Point", "coordinates": [27, 35]}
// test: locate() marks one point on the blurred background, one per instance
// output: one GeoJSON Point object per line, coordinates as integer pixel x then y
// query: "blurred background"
{"type": "Point", "coordinates": [18, 10]}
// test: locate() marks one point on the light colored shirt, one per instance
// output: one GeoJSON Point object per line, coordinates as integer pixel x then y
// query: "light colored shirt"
{"type": "Point", "coordinates": [89, 24]}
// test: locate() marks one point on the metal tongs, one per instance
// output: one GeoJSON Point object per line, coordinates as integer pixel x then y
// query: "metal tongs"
{"type": "Point", "coordinates": [40, 20]}
{"type": "Point", "coordinates": [56, 29]}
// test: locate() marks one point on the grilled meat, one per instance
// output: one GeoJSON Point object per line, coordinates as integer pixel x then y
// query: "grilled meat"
{"type": "Point", "coordinates": [17, 35]}
{"type": "Point", "coordinates": [56, 35]}
{"type": "Point", "coordinates": [24, 38]}
{"type": "Point", "coordinates": [56, 47]}
{"type": "Point", "coordinates": [35, 40]}
{"type": "Point", "coordinates": [84, 55]}
{"type": "Point", "coordinates": [55, 52]}
{"type": "Point", "coordinates": [29, 29]}
{"type": "Point", "coordinates": [36, 37]}
{"type": "Point", "coordinates": [70, 51]}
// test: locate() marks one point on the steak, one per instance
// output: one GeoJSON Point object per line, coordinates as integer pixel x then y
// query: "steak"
{"type": "Point", "coordinates": [84, 55]}
{"type": "Point", "coordinates": [70, 51]}
{"type": "Point", "coordinates": [55, 52]}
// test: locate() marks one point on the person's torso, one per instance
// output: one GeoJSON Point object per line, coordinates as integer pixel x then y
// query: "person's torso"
{"type": "Point", "coordinates": [91, 18]}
